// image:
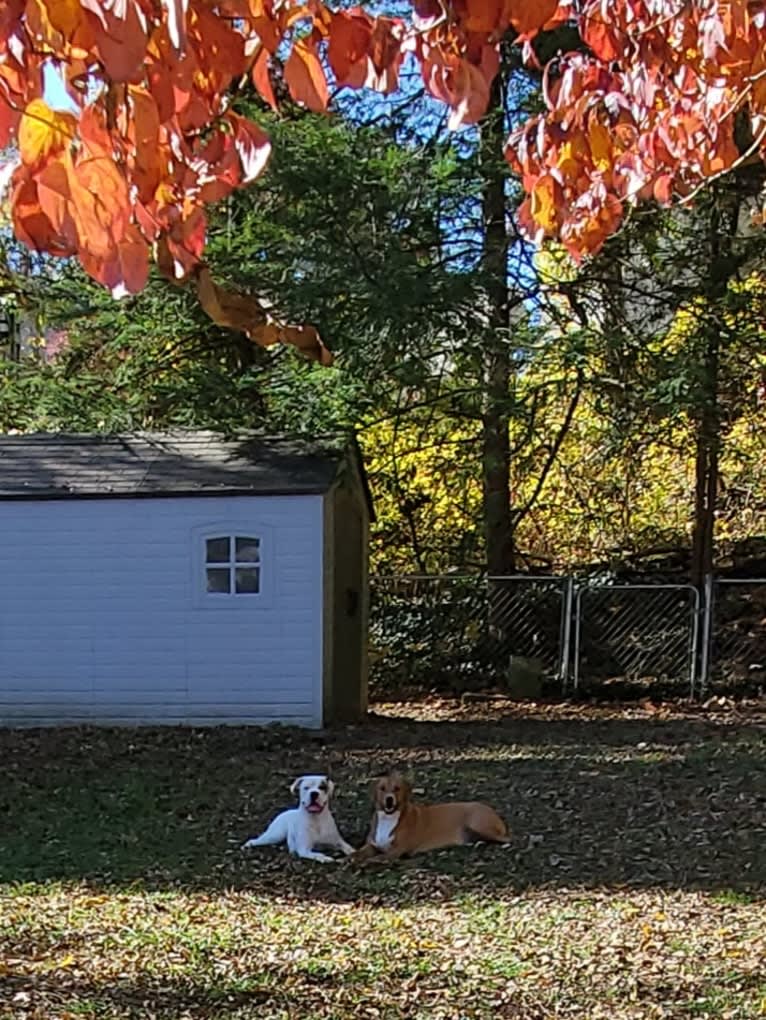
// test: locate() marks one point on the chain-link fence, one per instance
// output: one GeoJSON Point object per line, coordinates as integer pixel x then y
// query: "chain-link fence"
{"type": "Point", "coordinates": [465, 632]}
{"type": "Point", "coordinates": [637, 635]}
{"type": "Point", "coordinates": [737, 635]}
{"type": "Point", "coordinates": [529, 618]}
{"type": "Point", "coordinates": [526, 634]}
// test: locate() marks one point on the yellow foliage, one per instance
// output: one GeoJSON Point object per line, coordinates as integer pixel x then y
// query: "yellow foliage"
{"type": "Point", "coordinates": [554, 264]}
{"type": "Point", "coordinates": [425, 473]}
{"type": "Point", "coordinates": [43, 131]}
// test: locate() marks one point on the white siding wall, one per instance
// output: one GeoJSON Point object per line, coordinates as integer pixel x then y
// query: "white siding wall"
{"type": "Point", "coordinates": [102, 616]}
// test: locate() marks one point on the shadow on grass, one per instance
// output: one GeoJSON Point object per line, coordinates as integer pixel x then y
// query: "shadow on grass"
{"type": "Point", "coordinates": [591, 802]}
{"type": "Point", "coordinates": [270, 993]}
{"type": "Point", "coordinates": [124, 998]}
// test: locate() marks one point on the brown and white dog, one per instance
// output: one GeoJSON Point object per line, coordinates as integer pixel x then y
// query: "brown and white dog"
{"type": "Point", "coordinates": [401, 826]}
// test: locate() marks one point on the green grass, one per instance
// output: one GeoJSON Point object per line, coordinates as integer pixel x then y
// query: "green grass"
{"type": "Point", "coordinates": [633, 888]}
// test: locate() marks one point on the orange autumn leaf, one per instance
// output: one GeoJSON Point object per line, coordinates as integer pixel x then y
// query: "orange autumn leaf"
{"type": "Point", "coordinates": [600, 145]}
{"type": "Point", "coordinates": [54, 196]}
{"type": "Point", "coordinates": [227, 308]}
{"type": "Point", "coordinates": [247, 314]}
{"type": "Point", "coordinates": [146, 134]}
{"type": "Point", "coordinates": [305, 77]}
{"type": "Point", "coordinates": [64, 16]}
{"type": "Point", "coordinates": [527, 17]}
{"type": "Point", "coordinates": [8, 121]}
{"type": "Point", "coordinates": [570, 156]}
{"type": "Point", "coordinates": [124, 269]}
{"type": "Point", "coordinates": [99, 201]}
{"type": "Point", "coordinates": [308, 341]}
{"type": "Point", "coordinates": [543, 203]}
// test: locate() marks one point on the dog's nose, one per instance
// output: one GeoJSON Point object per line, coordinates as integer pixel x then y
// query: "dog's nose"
{"type": "Point", "coordinates": [389, 801]}
{"type": "Point", "coordinates": [315, 795]}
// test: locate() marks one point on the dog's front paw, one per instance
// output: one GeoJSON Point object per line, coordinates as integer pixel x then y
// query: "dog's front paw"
{"type": "Point", "coordinates": [323, 859]}
{"type": "Point", "coordinates": [248, 844]}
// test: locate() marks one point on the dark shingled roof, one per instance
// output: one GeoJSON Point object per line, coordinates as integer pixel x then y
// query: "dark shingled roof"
{"type": "Point", "coordinates": [188, 463]}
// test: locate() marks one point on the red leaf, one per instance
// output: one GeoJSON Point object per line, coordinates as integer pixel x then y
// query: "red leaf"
{"type": "Point", "coordinates": [262, 78]}
{"type": "Point", "coordinates": [485, 16]}
{"type": "Point", "coordinates": [30, 223]}
{"type": "Point", "coordinates": [224, 171]}
{"type": "Point", "coordinates": [147, 221]}
{"type": "Point", "coordinates": [218, 48]}
{"type": "Point", "coordinates": [386, 55]}
{"type": "Point", "coordinates": [427, 14]}
{"type": "Point", "coordinates": [176, 19]}
{"type": "Point", "coordinates": [253, 147]}
{"type": "Point", "coordinates": [350, 36]}
{"type": "Point", "coordinates": [121, 40]}
{"type": "Point", "coordinates": [10, 21]}
{"type": "Point", "coordinates": [179, 250]}
{"type": "Point", "coordinates": [470, 95]}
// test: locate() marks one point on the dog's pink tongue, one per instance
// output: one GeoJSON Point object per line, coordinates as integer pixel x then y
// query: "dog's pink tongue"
{"type": "Point", "coordinates": [314, 809]}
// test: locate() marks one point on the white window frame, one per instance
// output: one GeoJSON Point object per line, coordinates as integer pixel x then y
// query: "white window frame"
{"type": "Point", "coordinates": [233, 599]}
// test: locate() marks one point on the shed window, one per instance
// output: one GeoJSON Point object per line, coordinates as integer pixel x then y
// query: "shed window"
{"type": "Point", "coordinates": [233, 565]}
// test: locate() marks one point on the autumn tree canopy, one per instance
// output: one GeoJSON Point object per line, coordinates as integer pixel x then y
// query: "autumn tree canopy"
{"type": "Point", "coordinates": [644, 108]}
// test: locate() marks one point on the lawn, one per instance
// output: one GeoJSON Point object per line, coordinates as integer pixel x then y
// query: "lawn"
{"type": "Point", "coordinates": [634, 886]}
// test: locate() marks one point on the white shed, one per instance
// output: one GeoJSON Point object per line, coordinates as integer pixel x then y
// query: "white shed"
{"type": "Point", "coordinates": [182, 578]}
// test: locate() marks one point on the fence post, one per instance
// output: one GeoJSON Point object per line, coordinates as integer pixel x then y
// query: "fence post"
{"type": "Point", "coordinates": [577, 627]}
{"type": "Point", "coordinates": [708, 599]}
{"type": "Point", "coordinates": [566, 632]}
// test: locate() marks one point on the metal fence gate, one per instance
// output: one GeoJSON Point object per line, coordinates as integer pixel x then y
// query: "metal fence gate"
{"type": "Point", "coordinates": [635, 635]}
{"type": "Point", "coordinates": [462, 632]}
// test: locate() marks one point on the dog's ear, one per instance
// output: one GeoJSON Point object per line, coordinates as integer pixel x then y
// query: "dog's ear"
{"type": "Point", "coordinates": [295, 784]}
{"type": "Point", "coordinates": [373, 787]}
{"type": "Point", "coordinates": [330, 788]}
{"type": "Point", "coordinates": [406, 785]}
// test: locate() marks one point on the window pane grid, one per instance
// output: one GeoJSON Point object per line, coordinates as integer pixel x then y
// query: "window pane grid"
{"type": "Point", "coordinates": [232, 565]}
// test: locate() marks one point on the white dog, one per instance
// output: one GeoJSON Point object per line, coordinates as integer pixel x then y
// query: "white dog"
{"type": "Point", "coordinates": [310, 824]}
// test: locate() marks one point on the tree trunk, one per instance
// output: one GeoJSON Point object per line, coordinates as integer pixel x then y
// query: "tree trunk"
{"type": "Point", "coordinates": [496, 456]}
{"type": "Point", "coordinates": [722, 231]}
{"type": "Point", "coordinates": [706, 466]}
